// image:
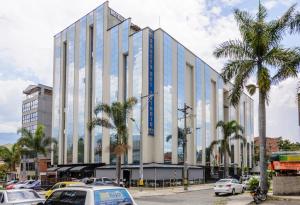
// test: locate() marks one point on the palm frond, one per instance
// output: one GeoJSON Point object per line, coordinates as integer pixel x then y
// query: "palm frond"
{"type": "Point", "coordinates": [251, 88]}
{"type": "Point", "coordinates": [103, 107]}
{"type": "Point", "coordinates": [129, 103]}
{"type": "Point", "coordinates": [262, 13]}
{"type": "Point", "coordinates": [278, 28]}
{"type": "Point", "coordinates": [234, 67]}
{"type": "Point", "coordinates": [234, 49]}
{"type": "Point", "coordinates": [295, 23]}
{"type": "Point", "coordinates": [102, 122]}
{"type": "Point", "coordinates": [239, 137]}
{"type": "Point", "coordinates": [213, 144]}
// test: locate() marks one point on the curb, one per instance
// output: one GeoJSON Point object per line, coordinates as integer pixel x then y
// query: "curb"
{"type": "Point", "coordinates": [282, 198]}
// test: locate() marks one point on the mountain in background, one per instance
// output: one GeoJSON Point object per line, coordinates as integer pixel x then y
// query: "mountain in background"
{"type": "Point", "coordinates": [8, 138]}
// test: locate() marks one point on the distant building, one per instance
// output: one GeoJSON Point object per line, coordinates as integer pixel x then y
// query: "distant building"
{"type": "Point", "coordinates": [36, 109]}
{"type": "Point", "coordinates": [272, 145]}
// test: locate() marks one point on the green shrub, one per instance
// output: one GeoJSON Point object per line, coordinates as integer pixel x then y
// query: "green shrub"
{"type": "Point", "coordinates": [253, 182]}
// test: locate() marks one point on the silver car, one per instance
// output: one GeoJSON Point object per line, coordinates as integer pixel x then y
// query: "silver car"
{"type": "Point", "coordinates": [228, 186]}
{"type": "Point", "coordinates": [20, 196]}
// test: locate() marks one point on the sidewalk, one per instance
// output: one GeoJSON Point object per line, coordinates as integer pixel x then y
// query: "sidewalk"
{"type": "Point", "coordinates": [283, 198]}
{"type": "Point", "coordinates": [136, 193]}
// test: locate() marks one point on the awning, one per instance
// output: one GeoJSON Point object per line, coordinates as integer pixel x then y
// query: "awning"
{"type": "Point", "coordinates": [52, 169]}
{"type": "Point", "coordinates": [78, 168]}
{"type": "Point", "coordinates": [63, 169]}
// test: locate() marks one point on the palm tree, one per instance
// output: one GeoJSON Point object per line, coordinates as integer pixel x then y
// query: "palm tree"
{"type": "Point", "coordinates": [231, 131]}
{"type": "Point", "coordinates": [115, 119]}
{"type": "Point", "coordinates": [259, 53]}
{"type": "Point", "coordinates": [35, 144]}
{"type": "Point", "coordinates": [11, 156]}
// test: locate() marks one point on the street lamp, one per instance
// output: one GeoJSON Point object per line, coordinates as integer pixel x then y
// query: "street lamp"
{"type": "Point", "coordinates": [141, 182]}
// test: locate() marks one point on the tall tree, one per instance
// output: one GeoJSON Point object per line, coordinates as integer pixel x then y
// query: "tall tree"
{"type": "Point", "coordinates": [259, 53]}
{"type": "Point", "coordinates": [231, 131]}
{"type": "Point", "coordinates": [11, 156]}
{"type": "Point", "coordinates": [115, 118]}
{"type": "Point", "coordinates": [35, 144]}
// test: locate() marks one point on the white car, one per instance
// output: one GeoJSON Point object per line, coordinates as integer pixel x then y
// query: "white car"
{"type": "Point", "coordinates": [228, 186]}
{"type": "Point", "coordinates": [91, 195]}
{"type": "Point", "coordinates": [24, 185]}
{"type": "Point", "coordinates": [20, 197]}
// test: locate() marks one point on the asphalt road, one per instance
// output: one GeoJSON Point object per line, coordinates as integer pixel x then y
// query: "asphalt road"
{"type": "Point", "coordinates": [205, 197]}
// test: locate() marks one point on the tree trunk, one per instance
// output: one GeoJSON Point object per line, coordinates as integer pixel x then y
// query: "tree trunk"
{"type": "Point", "coordinates": [36, 168]}
{"type": "Point", "coordinates": [118, 169]}
{"type": "Point", "coordinates": [225, 165]}
{"type": "Point", "coordinates": [262, 137]}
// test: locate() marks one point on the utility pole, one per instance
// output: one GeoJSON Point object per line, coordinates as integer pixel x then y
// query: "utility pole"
{"type": "Point", "coordinates": [140, 128]}
{"type": "Point", "coordinates": [185, 133]}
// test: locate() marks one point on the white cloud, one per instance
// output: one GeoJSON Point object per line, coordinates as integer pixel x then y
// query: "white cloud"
{"type": "Point", "coordinates": [231, 2]}
{"type": "Point", "coordinates": [11, 104]}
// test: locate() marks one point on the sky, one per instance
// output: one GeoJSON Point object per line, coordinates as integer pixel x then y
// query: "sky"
{"type": "Point", "coordinates": [26, 46]}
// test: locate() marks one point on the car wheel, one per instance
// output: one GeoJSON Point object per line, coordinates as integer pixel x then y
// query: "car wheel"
{"type": "Point", "coordinates": [217, 194]}
{"type": "Point", "coordinates": [233, 192]}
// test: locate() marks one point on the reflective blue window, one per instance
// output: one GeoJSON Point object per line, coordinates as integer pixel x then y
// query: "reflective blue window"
{"type": "Point", "coordinates": [114, 80]}
{"type": "Point", "coordinates": [70, 92]}
{"type": "Point", "coordinates": [181, 99]}
{"type": "Point", "coordinates": [207, 110]}
{"type": "Point", "coordinates": [136, 92]}
{"type": "Point", "coordinates": [125, 34]}
{"type": "Point", "coordinates": [81, 89]}
{"type": "Point", "coordinates": [220, 84]}
{"type": "Point", "coordinates": [56, 96]}
{"type": "Point", "coordinates": [198, 73]}
{"type": "Point", "coordinates": [167, 41]}
{"type": "Point", "coordinates": [98, 71]}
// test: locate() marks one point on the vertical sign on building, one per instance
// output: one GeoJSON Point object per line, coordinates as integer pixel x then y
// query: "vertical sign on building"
{"type": "Point", "coordinates": [151, 84]}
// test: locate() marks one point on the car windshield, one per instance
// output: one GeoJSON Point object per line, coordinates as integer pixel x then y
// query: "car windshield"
{"type": "Point", "coordinates": [224, 180]}
{"type": "Point", "coordinates": [22, 195]}
{"type": "Point", "coordinates": [112, 197]}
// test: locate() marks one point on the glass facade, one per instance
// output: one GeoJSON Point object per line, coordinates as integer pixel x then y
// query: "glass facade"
{"type": "Point", "coordinates": [220, 108]}
{"type": "Point", "coordinates": [168, 89]}
{"type": "Point", "coordinates": [180, 99]}
{"type": "Point", "coordinates": [125, 34]}
{"type": "Point", "coordinates": [114, 79]}
{"type": "Point", "coordinates": [98, 71]}
{"type": "Point", "coordinates": [198, 73]}
{"type": "Point", "coordinates": [56, 97]}
{"type": "Point", "coordinates": [205, 92]}
{"type": "Point", "coordinates": [81, 89]}
{"type": "Point", "coordinates": [136, 92]}
{"type": "Point", "coordinates": [70, 92]}
{"type": "Point", "coordinates": [207, 111]}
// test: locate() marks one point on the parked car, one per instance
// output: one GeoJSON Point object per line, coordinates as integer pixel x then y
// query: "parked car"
{"type": "Point", "coordinates": [24, 185]}
{"type": "Point", "coordinates": [11, 183]}
{"type": "Point", "coordinates": [36, 185]}
{"type": "Point", "coordinates": [102, 180]}
{"type": "Point", "coordinates": [18, 196]}
{"type": "Point", "coordinates": [87, 195]}
{"type": "Point", "coordinates": [61, 185]}
{"type": "Point", "coordinates": [12, 186]}
{"type": "Point", "coordinates": [229, 186]}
